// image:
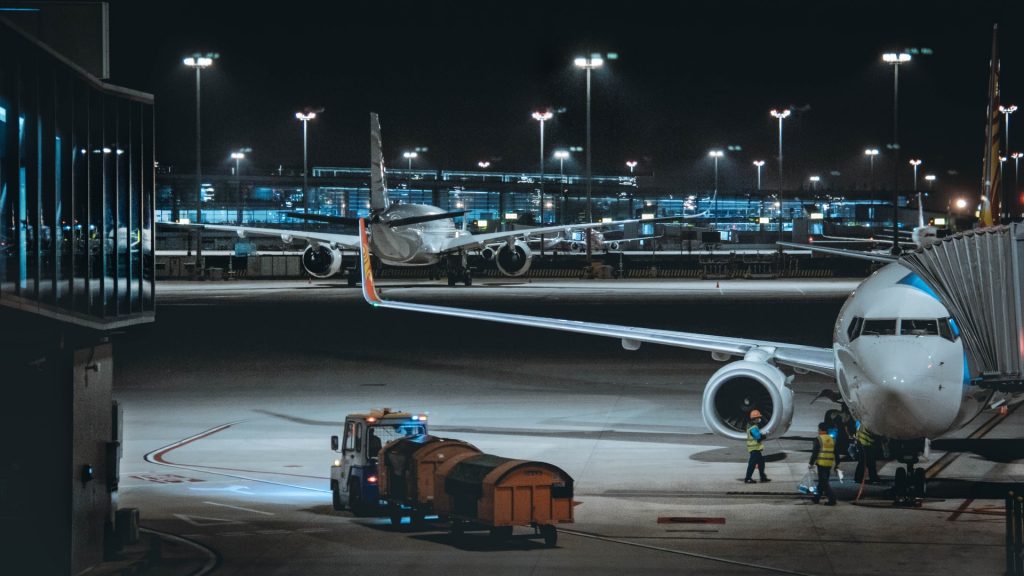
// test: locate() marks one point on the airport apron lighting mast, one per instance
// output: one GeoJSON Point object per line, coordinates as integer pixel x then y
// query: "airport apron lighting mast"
{"type": "Point", "coordinates": [896, 59]}
{"type": "Point", "coordinates": [199, 62]}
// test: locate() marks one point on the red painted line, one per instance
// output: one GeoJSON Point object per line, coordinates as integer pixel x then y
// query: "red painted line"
{"type": "Point", "coordinates": [159, 455]}
{"type": "Point", "coordinates": [689, 520]}
{"type": "Point", "coordinates": [960, 510]}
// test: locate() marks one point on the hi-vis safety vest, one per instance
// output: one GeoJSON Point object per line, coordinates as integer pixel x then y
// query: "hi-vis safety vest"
{"type": "Point", "coordinates": [827, 451]}
{"type": "Point", "coordinates": [752, 443]}
{"type": "Point", "coordinates": [864, 437]}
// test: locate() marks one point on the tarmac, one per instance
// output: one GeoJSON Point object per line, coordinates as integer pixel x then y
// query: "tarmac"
{"type": "Point", "coordinates": [230, 399]}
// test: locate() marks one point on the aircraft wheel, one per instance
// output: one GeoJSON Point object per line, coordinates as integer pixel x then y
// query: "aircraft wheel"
{"type": "Point", "coordinates": [351, 277]}
{"type": "Point", "coordinates": [451, 279]}
{"type": "Point", "coordinates": [900, 484]}
{"type": "Point", "coordinates": [467, 278]}
{"type": "Point", "coordinates": [919, 482]}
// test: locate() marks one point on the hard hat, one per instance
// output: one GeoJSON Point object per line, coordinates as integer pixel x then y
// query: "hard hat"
{"type": "Point", "coordinates": [755, 414]}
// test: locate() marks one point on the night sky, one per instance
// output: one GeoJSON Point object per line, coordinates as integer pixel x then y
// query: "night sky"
{"type": "Point", "coordinates": [462, 78]}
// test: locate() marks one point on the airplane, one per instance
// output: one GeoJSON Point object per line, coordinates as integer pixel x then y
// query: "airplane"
{"type": "Point", "coordinates": [921, 236]}
{"type": "Point", "coordinates": [575, 241]}
{"type": "Point", "coordinates": [404, 234]}
{"type": "Point", "coordinates": [898, 360]}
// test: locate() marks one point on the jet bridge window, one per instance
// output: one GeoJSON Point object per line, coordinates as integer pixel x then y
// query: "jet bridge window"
{"type": "Point", "coordinates": [914, 327]}
{"type": "Point", "coordinates": [879, 327]}
{"type": "Point", "coordinates": [854, 330]}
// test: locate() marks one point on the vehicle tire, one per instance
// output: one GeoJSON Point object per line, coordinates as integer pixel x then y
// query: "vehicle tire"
{"type": "Point", "coordinates": [336, 498]}
{"type": "Point", "coordinates": [467, 279]}
{"type": "Point", "coordinates": [458, 532]}
{"type": "Point", "coordinates": [395, 514]}
{"type": "Point", "coordinates": [351, 277]}
{"type": "Point", "coordinates": [451, 279]}
{"type": "Point", "coordinates": [418, 518]}
{"type": "Point", "coordinates": [919, 483]}
{"type": "Point", "coordinates": [355, 501]}
{"type": "Point", "coordinates": [550, 535]}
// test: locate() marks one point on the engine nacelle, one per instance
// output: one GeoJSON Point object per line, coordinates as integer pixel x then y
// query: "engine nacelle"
{"type": "Point", "coordinates": [514, 260]}
{"type": "Point", "coordinates": [488, 253]}
{"type": "Point", "coordinates": [321, 261]}
{"type": "Point", "coordinates": [742, 386]}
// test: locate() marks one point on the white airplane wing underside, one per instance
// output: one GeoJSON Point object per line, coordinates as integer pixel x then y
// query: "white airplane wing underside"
{"type": "Point", "coordinates": [343, 241]}
{"type": "Point", "coordinates": [809, 358]}
{"type": "Point", "coordinates": [875, 256]}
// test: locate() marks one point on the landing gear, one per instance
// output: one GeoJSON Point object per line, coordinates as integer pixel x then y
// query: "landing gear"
{"type": "Point", "coordinates": [458, 269]}
{"type": "Point", "coordinates": [909, 484]}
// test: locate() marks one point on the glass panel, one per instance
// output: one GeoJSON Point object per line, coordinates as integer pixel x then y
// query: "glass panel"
{"type": "Point", "coordinates": [123, 237]}
{"type": "Point", "coordinates": [148, 176]}
{"type": "Point", "coordinates": [81, 242]}
{"type": "Point", "coordinates": [876, 327]}
{"type": "Point", "coordinates": [910, 327]}
{"type": "Point", "coordinates": [95, 210]}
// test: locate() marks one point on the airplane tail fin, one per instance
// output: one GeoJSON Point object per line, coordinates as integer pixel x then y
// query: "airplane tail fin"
{"type": "Point", "coordinates": [920, 211]}
{"type": "Point", "coordinates": [378, 181]}
{"type": "Point", "coordinates": [369, 291]}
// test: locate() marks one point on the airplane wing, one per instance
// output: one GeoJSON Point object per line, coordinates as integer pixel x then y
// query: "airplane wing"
{"type": "Point", "coordinates": [808, 358]}
{"type": "Point", "coordinates": [875, 256]}
{"type": "Point", "coordinates": [344, 241]}
{"type": "Point", "coordinates": [481, 240]}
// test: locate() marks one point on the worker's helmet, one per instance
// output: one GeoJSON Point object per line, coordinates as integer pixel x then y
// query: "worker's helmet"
{"type": "Point", "coordinates": [822, 426]}
{"type": "Point", "coordinates": [754, 414]}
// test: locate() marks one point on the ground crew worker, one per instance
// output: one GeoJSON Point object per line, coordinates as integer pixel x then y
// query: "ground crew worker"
{"type": "Point", "coordinates": [755, 448]}
{"type": "Point", "coordinates": [866, 441]}
{"type": "Point", "coordinates": [824, 456]}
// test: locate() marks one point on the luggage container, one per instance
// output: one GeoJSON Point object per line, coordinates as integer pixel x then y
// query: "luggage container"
{"type": "Point", "coordinates": [490, 492]}
{"type": "Point", "coordinates": [407, 467]}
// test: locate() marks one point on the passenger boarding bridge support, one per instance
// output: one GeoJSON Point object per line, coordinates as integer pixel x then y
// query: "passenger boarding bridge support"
{"type": "Point", "coordinates": [977, 275]}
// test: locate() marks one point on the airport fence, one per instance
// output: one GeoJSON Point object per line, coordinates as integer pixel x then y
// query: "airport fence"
{"type": "Point", "coordinates": [1014, 535]}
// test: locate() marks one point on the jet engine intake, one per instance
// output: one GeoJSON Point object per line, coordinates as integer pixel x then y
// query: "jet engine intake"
{"type": "Point", "coordinates": [321, 261]}
{"type": "Point", "coordinates": [741, 386]}
{"type": "Point", "coordinates": [514, 260]}
{"type": "Point", "coordinates": [488, 253]}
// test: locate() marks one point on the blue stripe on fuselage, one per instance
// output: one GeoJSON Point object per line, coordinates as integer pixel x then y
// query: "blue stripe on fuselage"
{"type": "Point", "coordinates": [915, 281]}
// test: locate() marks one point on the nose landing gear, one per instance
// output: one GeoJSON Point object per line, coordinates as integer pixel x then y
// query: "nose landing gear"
{"type": "Point", "coordinates": [909, 485]}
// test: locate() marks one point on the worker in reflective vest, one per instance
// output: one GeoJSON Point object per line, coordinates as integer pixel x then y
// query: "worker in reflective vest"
{"type": "Point", "coordinates": [867, 456]}
{"type": "Point", "coordinates": [824, 456]}
{"type": "Point", "coordinates": [755, 448]}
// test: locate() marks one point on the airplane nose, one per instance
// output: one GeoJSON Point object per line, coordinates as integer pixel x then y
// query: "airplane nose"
{"type": "Point", "coordinates": [905, 390]}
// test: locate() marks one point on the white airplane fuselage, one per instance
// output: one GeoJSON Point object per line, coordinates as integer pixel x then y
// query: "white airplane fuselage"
{"type": "Point", "coordinates": [413, 244]}
{"type": "Point", "coordinates": [902, 368]}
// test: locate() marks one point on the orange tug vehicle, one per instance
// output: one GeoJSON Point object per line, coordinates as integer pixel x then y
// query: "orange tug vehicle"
{"type": "Point", "coordinates": [418, 475]}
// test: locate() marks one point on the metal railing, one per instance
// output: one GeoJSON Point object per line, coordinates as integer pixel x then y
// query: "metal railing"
{"type": "Point", "coordinates": [1014, 535]}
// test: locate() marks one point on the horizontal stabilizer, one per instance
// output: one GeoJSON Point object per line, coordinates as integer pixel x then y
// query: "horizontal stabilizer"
{"type": "Point", "coordinates": [323, 218]}
{"type": "Point", "coordinates": [421, 219]}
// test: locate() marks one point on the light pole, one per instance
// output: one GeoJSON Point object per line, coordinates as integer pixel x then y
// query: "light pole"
{"type": "Point", "coordinates": [915, 163]}
{"type": "Point", "coordinates": [631, 164]}
{"type": "Point", "coordinates": [759, 164]}
{"type": "Point", "coordinates": [871, 153]}
{"type": "Point", "coordinates": [409, 156]}
{"type": "Point", "coordinates": [199, 62]}
{"type": "Point", "coordinates": [781, 115]}
{"type": "Point", "coordinates": [588, 64]}
{"type": "Point", "coordinates": [814, 182]}
{"type": "Point", "coordinates": [483, 164]}
{"type": "Point", "coordinates": [542, 117]}
{"type": "Point", "coordinates": [896, 59]}
{"type": "Point", "coordinates": [305, 117]}
{"type": "Point", "coordinates": [1016, 170]}
{"type": "Point", "coordinates": [760, 210]}
{"type": "Point", "coordinates": [930, 179]}
{"type": "Point", "coordinates": [1004, 206]}
{"type": "Point", "coordinates": [238, 157]}
{"type": "Point", "coordinates": [716, 154]}
{"type": "Point", "coordinates": [561, 155]}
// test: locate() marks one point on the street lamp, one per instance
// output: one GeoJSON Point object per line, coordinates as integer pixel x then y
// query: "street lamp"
{"type": "Point", "coordinates": [895, 59]}
{"type": "Point", "coordinates": [409, 156]}
{"type": "Point", "coordinates": [238, 157]}
{"type": "Point", "coordinates": [716, 154]}
{"type": "Point", "coordinates": [871, 153]}
{"type": "Point", "coordinates": [930, 179]}
{"type": "Point", "coordinates": [199, 62]}
{"type": "Point", "coordinates": [588, 64]}
{"type": "Point", "coordinates": [542, 117]}
{"type": "Point", "coordinates": [814, 182]}
{"type": "Point", "coordinates": [305, 117]}
{"type": "Point", "coordinates": [915, 163]}
{"type": "Point", "coordinates": [561, 155]}
{"type": "Point", "coordinates": [781, 115]}
{"type": "Point", "coordinates": [759, 164]}
{"type": "Point", "coordinates": [1016, 170]}
{"type": "Point", "coordinates": [631, 164]}
{"type": "Point", "coordinates": [484, 164]}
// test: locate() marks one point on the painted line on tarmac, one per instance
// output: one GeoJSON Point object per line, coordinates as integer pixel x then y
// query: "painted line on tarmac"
{"type": "Point", "coordinates": [157, 457]}
{"type": "Point", "coordinates": [213, 559]}
{"type": "Point", "coordinates": [683, 553]}
{"type": "Point", "coordinates": [239, 508]}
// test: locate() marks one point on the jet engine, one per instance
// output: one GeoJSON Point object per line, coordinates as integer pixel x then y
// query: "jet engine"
{"type": "Point", "coordinates": [742, 386]}
{"type": "Point", "coordinates": [488, 253]}
{"type": "Point", "coordinates": [514, 260]}
{"type": "Point", "coordinates": [321, 261]}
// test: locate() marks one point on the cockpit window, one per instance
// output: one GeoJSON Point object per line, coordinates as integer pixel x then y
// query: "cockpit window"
{"type": "Point", "coordinates": [913, 327]}
{"type": "Point", "coordinates": [854, 330]}
{"type": "Point", "coordinates": [879, 327]}
{"type": "Point", "coordinates": [947, 329]}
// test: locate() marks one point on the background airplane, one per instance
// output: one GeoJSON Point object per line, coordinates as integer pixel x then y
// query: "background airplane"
{"type": "Point", "coordinates": [897, 359]}
{"type": "Point", "coordinates": [406, 234]}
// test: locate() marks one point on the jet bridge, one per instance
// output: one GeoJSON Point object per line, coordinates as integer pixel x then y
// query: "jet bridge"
{"type": "Point", "coordinates": [977, 275]}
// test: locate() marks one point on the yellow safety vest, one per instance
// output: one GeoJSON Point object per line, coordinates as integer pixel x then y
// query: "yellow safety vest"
{"type": "Point", "coordinates": [864, 437]}
{"type": "Point", "coordinates": [752, 443]}
{"type": "Point", "coordinates": [827, 451]}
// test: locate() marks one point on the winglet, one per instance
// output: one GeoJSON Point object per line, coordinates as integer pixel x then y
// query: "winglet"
{"type": "Point", "coordinates": [369, 291]}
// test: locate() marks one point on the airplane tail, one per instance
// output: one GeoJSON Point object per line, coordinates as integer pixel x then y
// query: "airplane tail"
{"type": "Point", "coordinates": [920, 211]}
{"type": "Point", "coordinates": [378, 181]}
